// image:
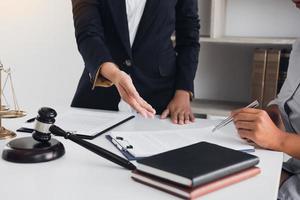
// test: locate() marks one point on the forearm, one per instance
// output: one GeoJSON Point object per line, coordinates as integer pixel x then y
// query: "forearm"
{"type": "Point", "coordinates": [89, 32]}
{"type": "Point", "coordinates": [290, 144]}
{"type": "Point", "coordinates": [109, 71]}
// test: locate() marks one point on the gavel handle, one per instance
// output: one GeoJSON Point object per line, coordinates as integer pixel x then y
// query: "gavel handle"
{"type": "Point", "coordinates": [94, 148]}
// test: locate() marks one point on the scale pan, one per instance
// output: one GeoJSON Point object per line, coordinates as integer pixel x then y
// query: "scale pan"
{"type": "Point", "coordinates": [4, 108]}
{"type": "Point", "coordinates": [12, 114]}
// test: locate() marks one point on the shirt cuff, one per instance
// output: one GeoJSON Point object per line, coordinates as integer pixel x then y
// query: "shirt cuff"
{"type": "Point", "coordinates": [101, 81]}
{"type": "Point", "coordinates": [191, 95]}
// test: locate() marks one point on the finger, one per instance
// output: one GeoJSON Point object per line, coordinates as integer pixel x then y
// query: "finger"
{"type": "Point", "coordinates": [245, 125]}
{"type": "Point", "coordinates": [138, 108]}
{"type": "Point", "coordinates": [246, 134]}
{"type": "Point", "coordinates": [146, 105]}
{"type": "Point", "coordinates": [133, 94]}
{"type": "Point", "coordinates": [165, 114]}
{"type": "Point", "coordinates": [181, 118]}
{"type": "Point", "coordinates": [187, 118]}
{"type": "Point", "coordinates": [174, 117]}
{"type": "Point", "coordinates": [245, 110]}
{"type": "Point", "coordinates": [244, 117]}
{"type": "Point", "coordinates": [250, 110]}
{"type": "Point", "coordinates": [131, 91]}
{"type": "Point", "coordinates": [192, 117]}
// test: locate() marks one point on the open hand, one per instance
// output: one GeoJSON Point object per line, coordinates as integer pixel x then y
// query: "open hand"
{"type": "Point", "coordinates": [130, 95]}
{"type": "Point", "coordinates": [179, 109]}
{"type": "Point", "coordinates": [126, 89]}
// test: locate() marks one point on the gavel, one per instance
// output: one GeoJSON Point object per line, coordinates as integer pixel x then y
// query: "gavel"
{"type": "Point", "coordinates": [41, 147]}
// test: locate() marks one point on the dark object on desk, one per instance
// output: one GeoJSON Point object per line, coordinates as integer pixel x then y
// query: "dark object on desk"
{"type": "Point", "coordinates": [192, 193]}
{"type": "Point", "coordinates": [30, 120]}
{"type": "Point", "coordinates": [25, 130]}
{"type": "Point", "coordinates": [38, 148]}
{"type": "Point", "coordinates": [197, 164]}
{"type": "Point", "coordinates": [28, 150]}
{"type": "Point", "coordinates": [88, 137]}
{"type": "Point", "coordinates": [94, 148]}
{"type": "Point", "coordinates": [42, 148]}
{"type": "Point", "coordinates": [200, 116]}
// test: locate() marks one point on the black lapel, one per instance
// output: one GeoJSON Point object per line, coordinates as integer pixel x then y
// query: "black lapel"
{"type": "Point", "coordinates": [147, 18]}
{"type": "Point", "coordinates": [118, 11]}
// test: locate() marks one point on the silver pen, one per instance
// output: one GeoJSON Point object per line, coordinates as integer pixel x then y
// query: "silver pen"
{"type": "Point", "coordinates": [229, 119]}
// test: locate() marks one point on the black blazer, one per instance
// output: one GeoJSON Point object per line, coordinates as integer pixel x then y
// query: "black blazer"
{"type": "Point", "coordinates": [155, 66]}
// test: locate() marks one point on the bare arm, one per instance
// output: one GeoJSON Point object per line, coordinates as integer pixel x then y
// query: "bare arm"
{"type": "Point", "coordinates": [257, 126]}
{"type": "Point", "coordinates": [291, 145]}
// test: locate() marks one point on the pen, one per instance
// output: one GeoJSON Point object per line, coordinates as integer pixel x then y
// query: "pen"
{"type": "Point", "coordinates": [229, 119]}
{"type": "Point", "coordinates": [92, 147]}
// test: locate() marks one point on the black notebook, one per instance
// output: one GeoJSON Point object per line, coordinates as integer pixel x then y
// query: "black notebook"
{"type": "Point", "coordinates": [197, 164]}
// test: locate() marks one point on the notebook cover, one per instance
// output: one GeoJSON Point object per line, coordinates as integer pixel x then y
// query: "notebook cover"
{"type": "Point", "coordinates": [189, 193]}
{"type": "Point", "coordinates": [197, 164]}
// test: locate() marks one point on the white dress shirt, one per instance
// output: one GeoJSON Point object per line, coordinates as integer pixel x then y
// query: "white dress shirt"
{"type": "Point", "coordinates": [134, 11]}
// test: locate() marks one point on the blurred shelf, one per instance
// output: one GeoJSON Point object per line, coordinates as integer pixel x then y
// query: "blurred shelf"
{"type": "Point", "coordinates": [245, 40]}
{"type": "Point", "coordinates": [249, 40]}
{"type": "Point", "coordinates": [215, 108]}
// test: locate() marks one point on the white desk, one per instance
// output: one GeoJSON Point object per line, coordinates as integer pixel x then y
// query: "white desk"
{"type": "Point", "coordinates": [83, 175]}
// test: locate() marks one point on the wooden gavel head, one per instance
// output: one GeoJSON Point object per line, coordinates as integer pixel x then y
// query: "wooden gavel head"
{"type": "Point", "coordinates": [46, 118]}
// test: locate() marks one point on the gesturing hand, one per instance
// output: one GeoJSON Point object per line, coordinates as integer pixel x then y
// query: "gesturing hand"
{"type": "Point", "coordinates": [257, 126]}
{"type": "Point", "coordinates": [126, 89]}
{"type": "Point", "coordinates": [129, 94]}
{"type": "Point", "coordinates": [179, 109]}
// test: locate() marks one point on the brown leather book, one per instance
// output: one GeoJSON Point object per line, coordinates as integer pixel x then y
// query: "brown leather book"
{"type": "Point", "coordinates": [284, 64]}
{"type": "Point", "coordinates": [258, 75]}
{"type": "Point", "coordinates": [271, 76]}
{"type": "Point", "coordinates": [193, 193]}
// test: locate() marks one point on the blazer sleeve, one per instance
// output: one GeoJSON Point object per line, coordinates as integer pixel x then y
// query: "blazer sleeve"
{"type": "Point", "coordinates": [187, 43]}
{"type": "Point", "coordinates": [90, 35]}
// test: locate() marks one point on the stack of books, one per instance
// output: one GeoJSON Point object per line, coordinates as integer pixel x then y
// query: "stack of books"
{"type": "Point", "coordinates": [269, 72]}
{"type": "Point", "coordinates": [195, 170]}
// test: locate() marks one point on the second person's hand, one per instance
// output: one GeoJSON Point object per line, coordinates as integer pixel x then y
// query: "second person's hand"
{"type": "Point", "coordinates": [179, 109]}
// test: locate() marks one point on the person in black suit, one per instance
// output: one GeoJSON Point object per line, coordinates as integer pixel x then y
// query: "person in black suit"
{"type": "Point", "coordinates": [147, 72]}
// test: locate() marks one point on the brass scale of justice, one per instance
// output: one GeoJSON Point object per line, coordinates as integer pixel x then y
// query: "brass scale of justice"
{"type": "Point", "coordinates": [6, 112]}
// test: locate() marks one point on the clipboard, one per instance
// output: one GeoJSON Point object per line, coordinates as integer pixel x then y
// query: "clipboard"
{"type": "Point", "coordinates": [136, 145]}
{"type": "Point", "coordinates": [123, 150]}
{"type": "Point", "coordinates": [87, 124]}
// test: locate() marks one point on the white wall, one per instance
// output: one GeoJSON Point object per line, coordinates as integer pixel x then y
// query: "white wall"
{"type": "Point", "coordinates": [265, 18]}
{"type": "Point", "coordinates": [37, 41]}
{"type": "Point", "coordinates": [204, 14]}
{"type": "Point", "coordinates": [224, 71]}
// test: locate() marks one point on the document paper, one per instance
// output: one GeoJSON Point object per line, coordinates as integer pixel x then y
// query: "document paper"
{"type": "Point", "coordinates": [147, 143]}
{"type": "Point", "coordinates": [86, 121]}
